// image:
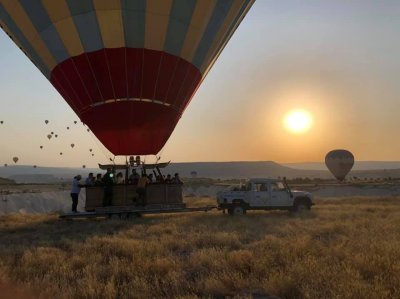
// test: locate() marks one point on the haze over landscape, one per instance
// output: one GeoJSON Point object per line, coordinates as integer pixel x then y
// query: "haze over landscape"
{"type": "Point", "coordinates": [337, 60]}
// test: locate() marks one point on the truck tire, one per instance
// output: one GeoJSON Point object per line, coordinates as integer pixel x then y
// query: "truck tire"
{"type": "Point", "coordinates": [301, 207]}
{"type": "Point", "coordinates": [237, 210]}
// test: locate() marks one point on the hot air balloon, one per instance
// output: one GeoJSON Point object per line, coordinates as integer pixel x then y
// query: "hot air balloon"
{"type": "Point", "coordinates": [34, 166]}
{"type": "Point", "coordinates": [138, 63]}
{"type": "Point", "coordinates": [83, 166]}
{"type": "Point", "coordinates": [41, 147]}
{"type": "Point", "coordinates": [1, 122]}
{"type": "Point", "coordinates": [56, 135]}
{"type": "Point", "coordinates": [88, 130]}
{"type": "Point", "coordinates": [60, 154]}
{"type": "Point", "coordinates": [92, 155]}
{"type": "Point", "coordinates": [90, 150]}
{"type": "Point", "coordinates": [49, 136]}
{"type": "Point", "coordinates": [52, 133]}
{"type": "Point", "coordinates": [339, 162]}
{"type": "Point", "coordinates": [46, 121]}
{"type": "Point", "coordinates": [5, 165]}
{"type": "Point", "coordinates": [72, 145]}
{"type": "Point", "coordinates": [15, 159]}
{"type": "Point", "coordinates": [67, 128]}
{"type": "Point", "coordinates": [75, 122]}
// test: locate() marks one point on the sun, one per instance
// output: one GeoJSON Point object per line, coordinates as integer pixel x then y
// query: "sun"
{"type": "Point", "coordinates": [298, 121]}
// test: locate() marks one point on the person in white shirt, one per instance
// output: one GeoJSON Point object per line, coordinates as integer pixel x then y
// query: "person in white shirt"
{"type": "Point", "coordinates": [75, 189]}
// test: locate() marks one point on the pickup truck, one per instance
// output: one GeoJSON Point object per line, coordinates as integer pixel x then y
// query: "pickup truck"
{"type": "Point", "coordinates": [263, 194]}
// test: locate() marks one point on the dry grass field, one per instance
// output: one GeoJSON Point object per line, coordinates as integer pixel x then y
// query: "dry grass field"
{"type": "Point", "coordinates": [346, 248]}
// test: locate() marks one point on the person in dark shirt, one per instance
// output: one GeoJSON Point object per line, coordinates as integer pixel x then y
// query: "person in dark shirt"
{"type": "Point", "coordinates": [108, 182]}
{"type": "Point", "coordinates": [99, 180]}
{"type": "Point", "coordinates": [134, 177]}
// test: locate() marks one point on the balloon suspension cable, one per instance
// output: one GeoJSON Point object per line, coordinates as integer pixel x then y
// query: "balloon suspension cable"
{"type": "Point", "coordinates": [101, 147]}
{"type": "Point", "coordinates": [158, 158]}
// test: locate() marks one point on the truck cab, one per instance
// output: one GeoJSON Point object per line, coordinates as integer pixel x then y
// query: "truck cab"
{"type": "Point", "coordinates": [263, 194]}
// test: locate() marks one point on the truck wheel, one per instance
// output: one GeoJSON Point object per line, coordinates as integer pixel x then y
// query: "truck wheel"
{"type": "Point", "coordinates": [301, 207]}
{"type": "Point", "coordinates": [238, 210]}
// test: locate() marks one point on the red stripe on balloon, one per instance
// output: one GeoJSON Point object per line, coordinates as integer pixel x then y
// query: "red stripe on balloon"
{"type": "Point", "coordinates": [128, 127]}
{"type": "Point", "coordinates": [144, 130]}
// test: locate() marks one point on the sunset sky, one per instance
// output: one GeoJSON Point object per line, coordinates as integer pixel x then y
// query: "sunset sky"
{"type": "Point", "coordinates": [337, 60]}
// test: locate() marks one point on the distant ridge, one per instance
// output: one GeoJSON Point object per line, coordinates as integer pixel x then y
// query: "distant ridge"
{"type": "Point", "coordinates": [358, 165]}
{"type": "Point", "coordinates": [215, 170]}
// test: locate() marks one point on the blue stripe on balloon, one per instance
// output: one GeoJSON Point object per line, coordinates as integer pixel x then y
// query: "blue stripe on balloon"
{"type": "Point", "coordinates": [217, 19]}
{"type": "Point", "coordinates": [85, 19]}
{"type": "Point", "coordinates": [23, 41]}
{"type": "Point", "coordinates": [134, 19]}
{"type": "Point", "coordinates": [232, 27]}
{"type": "Point", "coordinates": [180, 17]}
{"type": "Point", "coordinates": [44, 26]}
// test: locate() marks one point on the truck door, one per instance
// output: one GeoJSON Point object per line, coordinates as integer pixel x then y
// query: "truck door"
{"type": "Point", "coordinates": [279, 196]}
{"type": "Point", "coordinates": [258, 196]}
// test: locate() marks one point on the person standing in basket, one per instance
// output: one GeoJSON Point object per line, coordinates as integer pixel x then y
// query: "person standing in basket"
{"type": "Point", "coordinates": [108, 181]}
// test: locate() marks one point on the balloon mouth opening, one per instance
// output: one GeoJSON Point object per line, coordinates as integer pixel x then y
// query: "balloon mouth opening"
{"type": "Point", "coordinates": [132, 127]}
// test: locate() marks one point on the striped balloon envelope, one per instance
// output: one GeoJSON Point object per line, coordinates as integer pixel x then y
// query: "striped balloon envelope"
{"type": "Point", "coordinates": [128, 68]}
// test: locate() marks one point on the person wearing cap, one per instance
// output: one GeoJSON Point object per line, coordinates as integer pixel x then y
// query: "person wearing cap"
{"type": "Point", "coordinates": [75, 190]}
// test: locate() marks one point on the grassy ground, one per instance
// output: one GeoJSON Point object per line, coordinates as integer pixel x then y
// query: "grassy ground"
{"type": "Point", "coordinates": [341, 249]}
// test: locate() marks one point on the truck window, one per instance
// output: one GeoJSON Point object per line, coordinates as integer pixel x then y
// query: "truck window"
{"type": "Point", "coordinates": [279, 186]}
{"type": "Point", "coordinates": [248, 186]}
{"type": "Point", "coordinates": [260, 187]}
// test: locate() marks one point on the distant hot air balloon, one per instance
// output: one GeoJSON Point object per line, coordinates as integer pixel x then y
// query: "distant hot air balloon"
{"type": "Point", "coordinates": [67, 128]}
{"type": "Point", "coordinates": [46, 121]}
{"type": "Point", "coordinates": [138, 62]}
{"type": "Point", "coordinates": [88, 130]}
{"type": "Point", "coordinates": [52, 133]}
{"type": "Point", "coordinates": [61, 154]}
{"type": "Point", "coordinates": [49, 136]}
{"type": "Point", "coordinates": [1, 122]}
{"type": "Point", "coordinates": [34, 166]}
{"type": "Point", "coordinates": [92, 155]}
{"type": "Point", "coordinates": [5, 165]}
{"type": "Point", "coordinates": [41, 147]}
{"type": "Point", "coordinates": [15, 159]}
{"type": "Point", "coordinates": [193, 174]}
{"type": "Point", "coordinates": [90, 150]}
{"type": "Point", "coordinates": [75, 122]}
{"type": "Point", "coordinates": [72, 145]}
{"type": "Point", "coordinates": [56, 135]}
{"type": "Point", "coordinates": [83, 166]}
{"type": "Point", "coordinates": [339, 162]}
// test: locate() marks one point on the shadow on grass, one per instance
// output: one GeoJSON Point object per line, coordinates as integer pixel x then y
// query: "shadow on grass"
{"type": "Point", "coordinates": [28, 231]}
